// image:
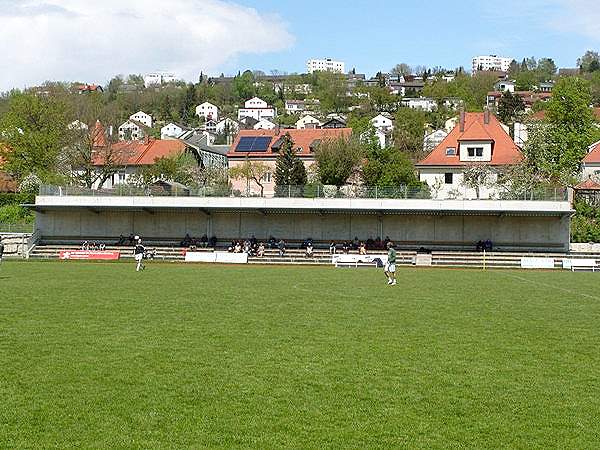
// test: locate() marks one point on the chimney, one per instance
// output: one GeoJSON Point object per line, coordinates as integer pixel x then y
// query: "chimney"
{"type": "Point", "coordinates": [462, 121]}
{"type": "Point", "coordinates": [486, 116]}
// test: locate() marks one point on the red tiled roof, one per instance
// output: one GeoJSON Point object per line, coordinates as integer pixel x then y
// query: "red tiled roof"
{"type": "Point", "coordinates": [302, 139]}
{"type": "Point", "coordinates": [593, 156]}
{"type": "Point", "coordinates": [504, 150]}
{"type": "Point", "coordinates": [588, 185]}
{"type": "Point", "coordinates": [143, 153]}
{"type": "Point", "coordinates": [99, 135]}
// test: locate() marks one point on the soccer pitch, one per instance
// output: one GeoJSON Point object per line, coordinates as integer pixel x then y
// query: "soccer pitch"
{"type": "Point", "coordinates": [99, 356]}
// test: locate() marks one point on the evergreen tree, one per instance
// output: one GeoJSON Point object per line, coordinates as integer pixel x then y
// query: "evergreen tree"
{"type": "Point", "coordinates": [289, 169]}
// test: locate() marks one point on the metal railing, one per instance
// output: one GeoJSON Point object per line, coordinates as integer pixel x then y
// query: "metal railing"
{"type": "Point", "coordinates": [313, 191]}
{"type": "Point", "coordinates": [17, 228]}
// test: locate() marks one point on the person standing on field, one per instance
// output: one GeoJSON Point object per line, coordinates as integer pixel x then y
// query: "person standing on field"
{"type": "Point", "coordinates": [390, 266]}
{"type": "Point", "coordinates": [1, 250]}
{"type": "Point", "coordinates": [139, 255]}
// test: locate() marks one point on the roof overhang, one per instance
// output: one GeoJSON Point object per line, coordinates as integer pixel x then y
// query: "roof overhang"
{"type": "Point", "coordinates": [209, 205]}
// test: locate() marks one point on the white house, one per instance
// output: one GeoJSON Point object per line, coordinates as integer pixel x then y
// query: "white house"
{"type": "Point", "coordinates": [257, 109]}
{"type": "Point", "coordinates": [143, 118]}
{"type": "Point", "coordinates": [172, 130]}
{"type": "Point", "coordinates": [307, 122]}
{"type": "Point", "coordinates": [158, 78]}
{"type": "Point", "coordinates": [208, 111]}
{"type": "Point", "coordinates": [505, 86]}
{"type": "Point", "coordinates": [294, 106]}
{"type": "Point", "coordinates": [132, 130]}
{"type": "Point", "coordinates": [383, 121]}
{"type": "Point", "coordinates": [477, 141]}
{"type": "Point", "coordinates": [591, 163]}
{"type": "Point", "coordinates": [264, 124]}
{"type": "Point", "coordinates": [423, 103]}
{"type": "Point", "coordinates": [432, 140]}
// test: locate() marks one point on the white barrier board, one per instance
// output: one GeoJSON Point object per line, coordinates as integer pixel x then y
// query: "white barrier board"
{"type": "Point", "coordinates": [200, 257]}
{"type": "Point", "coordinates": [231, 258]}
{"type": "Point", "coordinates": [537, 263]}
{"type": "Point", "coordinates": [354, 259]}
{"type": "Point", "coordinates": [216, 257]}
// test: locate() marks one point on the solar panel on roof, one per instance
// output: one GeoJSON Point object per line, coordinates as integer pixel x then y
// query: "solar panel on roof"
{"type": "Point", "coordinates": [261, 144]}
{"type": "Point", "coordinates": [253, 144]}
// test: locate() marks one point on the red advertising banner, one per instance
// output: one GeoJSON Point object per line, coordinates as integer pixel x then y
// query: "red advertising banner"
{"type": "Point", "coordinates": [89, 255]}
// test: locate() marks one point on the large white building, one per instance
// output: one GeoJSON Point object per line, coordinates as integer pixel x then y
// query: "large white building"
{"type": "Point", "coordinates": [257, 109]}
{"type": "Point", "coordinates": [491, 62]}
{"type": "Point", "coordinates": [158, 78]}
{"type": "Point", "coordinates": [208, 111]}
{"type": "Point", "coordinates": [325, 65]}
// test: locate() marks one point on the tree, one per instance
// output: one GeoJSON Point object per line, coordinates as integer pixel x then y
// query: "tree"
{"type": "Point", "coordinates": [401, 69]}
{"type": "Point", "coordinates": [186, 112]}
{"type": "Point", "coordinates": [589, 62]}
{"type": "Point", "coordinates": [476, 176]}
{"type": "Point", "coordinates": [557, 146]}
{"type": "Point", "coordinates": [289, 169]}
{"type": "Point", "coordinates": [526, 80]}
{"type": "Point", "coordinates": [409, 131]}
{"type": "Point", "coordinates": [338, 159]}
{"type": "Point", "coordinates": [34, 130]}
{"type": "Point", "coordinates": [251, 171]}
{"type": "Point", "coordinates": [179, 168]}
{"type": "Point", "coordinates": [510, 107]}
{"type": "Point", "coordinates": [388, 167]}
{"type": "Point", "coordinates": [546, 69]}
{"type": "Point", "coordinates": [513, 69]}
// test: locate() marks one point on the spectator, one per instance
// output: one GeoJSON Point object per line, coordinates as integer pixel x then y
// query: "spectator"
{"type": "Point", "coordinates": [281, 247]}
{"type": "Point", "coordinates": [122, 240]}
{"type": "Point", "coordinates": [362, 249]}
{"type": "Point", "coordinates": [237, 248]}
{"type": "Point", "coordinates": [272, 242]}
{"type": "Point", "coordinates": [187, 241]}
{"type": "Point", "coordinates": [261, 250]}
{"type": "Point", "coordinates": [346, 248]}
{"type": "Point", "coordinates": [488, 246]}
{"type": "Point", "coordinates": [131, 239]}
{"type": "Point", "coordinates": [213, 242]}
{"type": "Point", "coordinates": [309, 250]}
{"type": "Point", "coordinates": [253, 240]}
{"type": "Point", "coordinates": [204, 241]}
{"type": "Point", "coordinates": [332, 248]}
{"type": "Point", "coordinates": [355, 243]}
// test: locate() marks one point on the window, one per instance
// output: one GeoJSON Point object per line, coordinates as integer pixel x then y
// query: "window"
{"type": "Point", "coordinates": [448, 178]}
{"type": "Point", "coordinates": [450, 151]}
{"type": "Point", "coordinates": [267, 177]}
{"type": "Point", "coordinates": [475, 152]}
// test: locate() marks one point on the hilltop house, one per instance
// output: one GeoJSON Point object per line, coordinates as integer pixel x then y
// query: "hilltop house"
{"type": "Point", "coordinates": [132, 130]}
{"type": "Point", "coordinates": [294, 106]}
{"type": "Point", "coordinates": [432, 140]}
{"type": "Point", "coordinates": [264, 146]}
{"type": "Point", "coordinates": [257, 109]}
{"type": "Point", "coordinates": [172, 130]}
{"type": "Point", "coordinates": [143, 118]}
{"type": "Point", "coordinates": [308, 122]}
{"type": "Point", "coordinates": [477, 140]}
{"type": "Point", "coordinates": [264, 124]}
{"type": "Point", "coordinates": [208, 111]}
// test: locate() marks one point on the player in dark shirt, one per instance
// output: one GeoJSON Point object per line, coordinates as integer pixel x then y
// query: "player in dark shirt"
{"type": "Point", "coordinates": [139, 255]}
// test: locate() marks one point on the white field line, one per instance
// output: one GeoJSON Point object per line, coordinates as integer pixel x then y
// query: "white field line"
{"type": "Point", "coordinates": [552, 286]}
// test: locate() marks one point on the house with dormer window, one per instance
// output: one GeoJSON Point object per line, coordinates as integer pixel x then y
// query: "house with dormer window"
{"type": "Point", "coordinates": [478, 139]}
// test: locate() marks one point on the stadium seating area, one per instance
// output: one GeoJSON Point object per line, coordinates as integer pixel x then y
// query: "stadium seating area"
{"type": "Point", "coordinates": [169, 250]}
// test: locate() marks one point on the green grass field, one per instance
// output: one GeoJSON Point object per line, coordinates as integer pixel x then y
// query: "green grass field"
{"type": "Point", "coordinates": [98, 356]}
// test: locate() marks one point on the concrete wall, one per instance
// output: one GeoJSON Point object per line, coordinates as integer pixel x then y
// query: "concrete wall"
{"type": "Point", "coordinates": [15, 244]}
{"type": "Point", "coordinates": [411, 229]}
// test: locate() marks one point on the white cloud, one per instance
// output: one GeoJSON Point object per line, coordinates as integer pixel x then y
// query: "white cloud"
{"type": "Point", "coordinates": [93, 40]}
{"type": "Point", "coordinates": [578, 16]}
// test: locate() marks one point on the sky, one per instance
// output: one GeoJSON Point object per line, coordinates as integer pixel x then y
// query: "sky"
{"type": "Point", "coordinates": [91, 41]}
